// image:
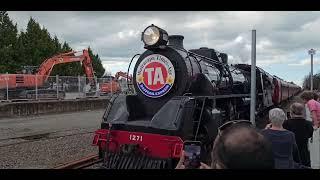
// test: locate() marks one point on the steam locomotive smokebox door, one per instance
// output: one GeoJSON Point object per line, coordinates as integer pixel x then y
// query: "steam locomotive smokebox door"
{"type": "Point", "coordinates": [126, 112]}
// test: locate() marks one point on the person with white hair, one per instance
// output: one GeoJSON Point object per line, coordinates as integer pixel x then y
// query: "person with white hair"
{"type": "Point", "coordinates": [284, 147]}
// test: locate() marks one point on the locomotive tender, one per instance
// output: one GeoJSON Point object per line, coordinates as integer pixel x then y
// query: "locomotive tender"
{"type": "Point", "coordinates": [180, 95]}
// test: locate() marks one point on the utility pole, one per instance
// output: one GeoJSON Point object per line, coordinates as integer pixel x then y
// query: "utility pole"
{"type": "Point", "coordinates": [253, 79]}
{"type": "Point", "coordinates": [311, 52]}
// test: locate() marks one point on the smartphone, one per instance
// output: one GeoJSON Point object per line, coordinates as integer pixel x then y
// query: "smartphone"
{"type": "Point", "coordinates": [192, 152]}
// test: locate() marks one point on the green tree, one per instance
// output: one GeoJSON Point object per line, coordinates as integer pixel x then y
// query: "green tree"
{"type": "Point", "coordinates": [316, 81]}
{"type": "Point", "coordinates": [96, 63]}
{"type": "Point", "coordinates": [8, 42]}
{"type": "Point", "coordinates": [57, 44]}
{"type": "Point", "coordinates": [66, 47]}
{"type": "Point", "coordinates": [34, 46]}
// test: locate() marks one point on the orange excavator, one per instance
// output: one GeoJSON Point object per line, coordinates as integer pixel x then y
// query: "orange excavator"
{"type": "Point", "coordinates": [112, 84]}
{"type": "Point", "coordinates": [18, 85]}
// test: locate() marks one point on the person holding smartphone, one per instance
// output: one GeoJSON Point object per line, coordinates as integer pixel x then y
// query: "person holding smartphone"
{"type": "Point", "coordinates": [184, 163]}
{"type": "Point", "coordinates": [192, 151]}
{"type": "Point", "coordinates": [238, 146]}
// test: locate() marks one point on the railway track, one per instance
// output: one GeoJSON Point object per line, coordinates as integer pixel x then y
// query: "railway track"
{"type": "Point", "coordinates": [39, 137]}
{"type": "Point", "coordinates": [81, 163]}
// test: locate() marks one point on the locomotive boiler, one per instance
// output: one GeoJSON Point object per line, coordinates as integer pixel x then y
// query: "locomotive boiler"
{"type": "Point", "coordinates": [180, 95]}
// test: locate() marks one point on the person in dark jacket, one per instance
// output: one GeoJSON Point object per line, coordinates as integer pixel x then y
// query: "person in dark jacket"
{"type": "Point", "coordinates": [284, 147]}
{"type": "Point", "coordinates": [302, 129]}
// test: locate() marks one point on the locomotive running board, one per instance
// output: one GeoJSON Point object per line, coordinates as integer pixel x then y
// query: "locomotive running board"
{"type": "Point", "coordinates": [225, 96]}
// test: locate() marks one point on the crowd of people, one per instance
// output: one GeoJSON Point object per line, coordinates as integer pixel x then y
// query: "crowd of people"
{"type": "Point", "coordinates": [283, 144]}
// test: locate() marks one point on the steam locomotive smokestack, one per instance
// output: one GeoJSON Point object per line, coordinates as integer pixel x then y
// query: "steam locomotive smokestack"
{"type": "Point", "coordinates": [176, 40]}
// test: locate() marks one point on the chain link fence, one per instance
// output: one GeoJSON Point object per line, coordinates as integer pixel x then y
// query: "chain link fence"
{"type": "Point", "coordinates": [32, 87]}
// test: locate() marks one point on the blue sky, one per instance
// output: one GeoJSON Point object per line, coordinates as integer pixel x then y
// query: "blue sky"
{"type": "Point", "coordinates": [283, 38]}
{"type": "Point", "coordinates": [296, 70]}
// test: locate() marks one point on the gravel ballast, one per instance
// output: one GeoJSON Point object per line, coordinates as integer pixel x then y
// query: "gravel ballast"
{"type": "Point", "coordinates": [47, 153]}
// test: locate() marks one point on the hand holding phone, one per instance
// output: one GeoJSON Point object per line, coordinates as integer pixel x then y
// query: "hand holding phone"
{"type": "Point", "coordinates": [192, 150]}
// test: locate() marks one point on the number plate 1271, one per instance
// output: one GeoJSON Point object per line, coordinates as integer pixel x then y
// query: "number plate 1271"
{"type": "Point", "coordinates": [133, 137]}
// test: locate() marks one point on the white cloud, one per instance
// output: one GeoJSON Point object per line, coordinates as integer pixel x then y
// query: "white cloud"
{"type": "Point", "coordinates": [311, 26]}
{"type": "Point", "coordinates": [299, 82]}
{"type": "Point", "coordinates": [239, 39]}
{"type": "Point", "coordinates": [273, 60]}
{"type": "Point", "coordinates": [115, 66]}
{"type": "Point", "coordinates": [305, 62]}
{"type": "Point", "coordinates": [280, 35]}
{"type": "Point", "coordinates": [263, 44]}
{"type": "Point", "coordinates": [128, 34]}
{"type": "Point", "coordinates": [200, 23]}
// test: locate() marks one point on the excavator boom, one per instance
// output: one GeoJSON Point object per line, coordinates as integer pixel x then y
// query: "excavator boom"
{"type": "Point", "coordinates": [30, 81]}
{"type": "Point", "coordinates": [46, 67]}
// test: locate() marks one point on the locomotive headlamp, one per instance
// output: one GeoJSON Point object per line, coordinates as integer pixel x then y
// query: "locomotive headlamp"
{"type": "Point", "coordinates": [154, 37]}
{"type": "Point", "coordinates": [151, 35]}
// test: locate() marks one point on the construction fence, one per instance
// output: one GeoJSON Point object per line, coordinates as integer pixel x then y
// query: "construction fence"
{"type": "Point", "coordinates": [32, 87]}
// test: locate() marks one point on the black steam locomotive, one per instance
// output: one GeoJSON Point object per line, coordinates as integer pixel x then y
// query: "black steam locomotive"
{"type": "Point", "coordinates": [180, 95]}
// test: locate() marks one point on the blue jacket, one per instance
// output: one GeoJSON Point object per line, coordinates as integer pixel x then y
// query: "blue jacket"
{"type": "Point", "coordinates": [284, 147]}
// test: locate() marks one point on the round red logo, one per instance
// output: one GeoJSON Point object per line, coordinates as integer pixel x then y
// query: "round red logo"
{"type": "Point", "coordinates": [155, 75]}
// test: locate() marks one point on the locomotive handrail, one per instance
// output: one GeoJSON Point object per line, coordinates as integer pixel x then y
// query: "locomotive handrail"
{"type": "Point", "coordinates": [200, 117]}
{"type": "Point", "coordinates": [107, 145]}
{"type": "Point", "coordinates": [209, 60]}
{"type": "Point", "coordinates": [198, 62]}
{"type": "Point", "coordinates": [195, 54]}
{"type": "Point", "coordinates": [130, 66]}
{"type": "Point", "coordinates": [224, 96]}
{"type": "Point", "coordinates": [188, 57]}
